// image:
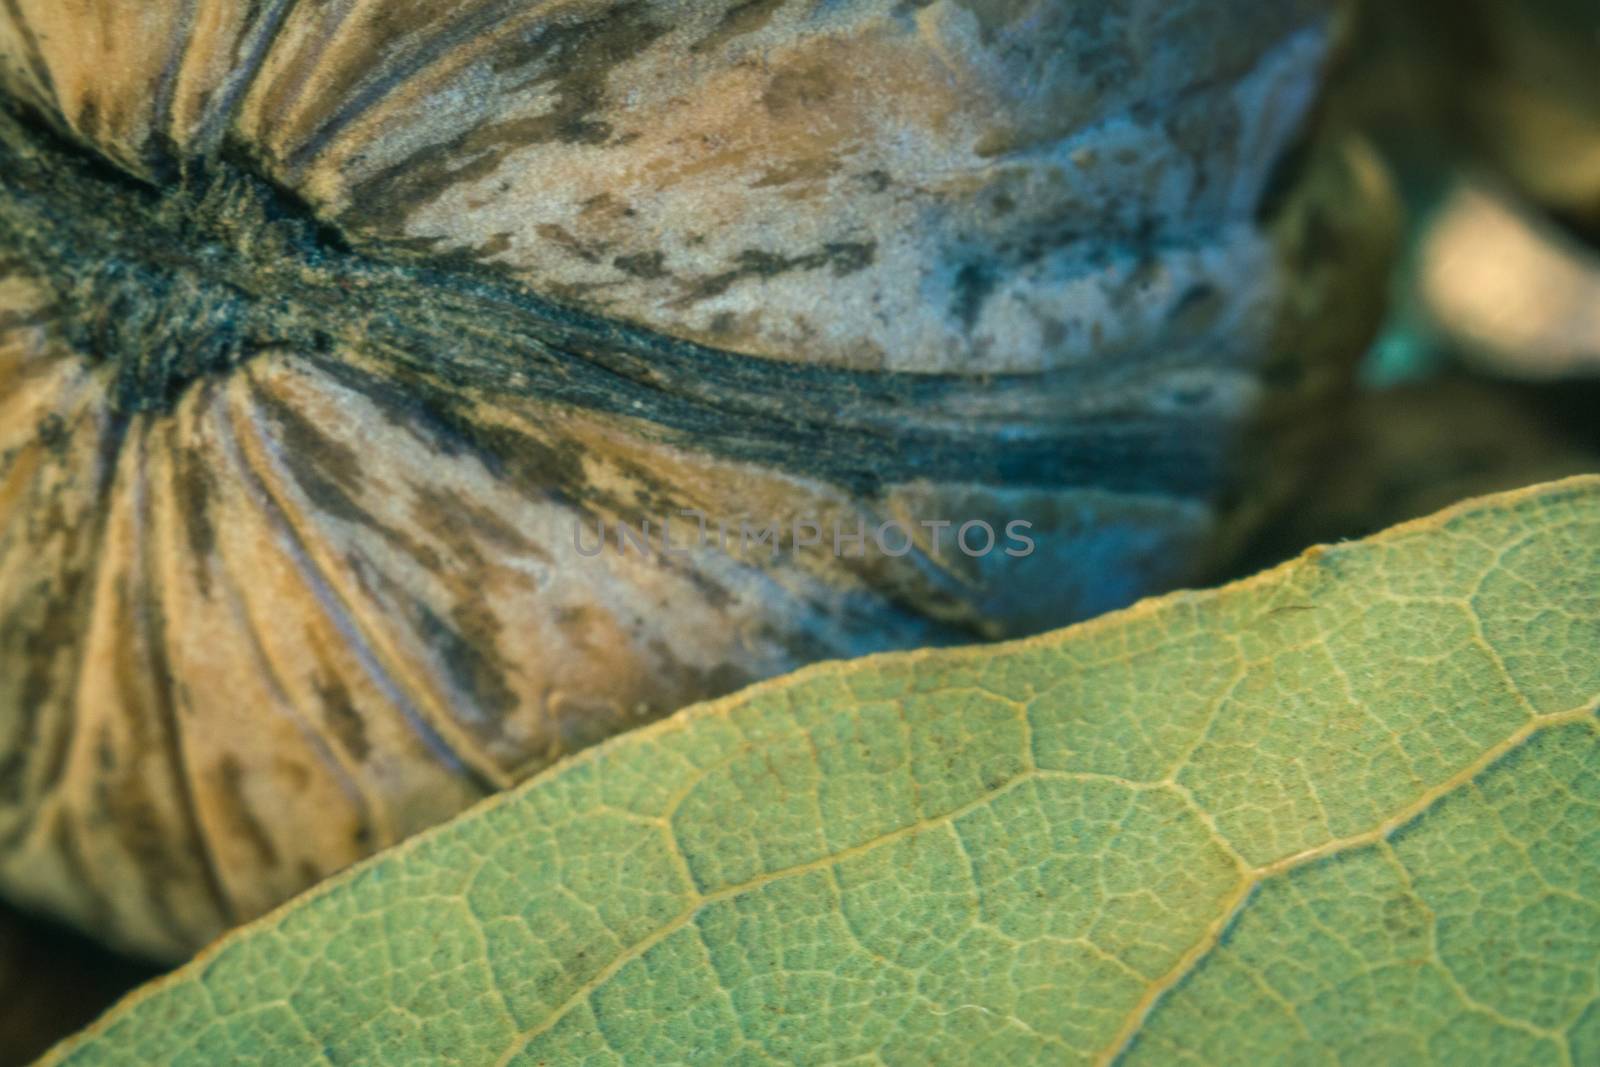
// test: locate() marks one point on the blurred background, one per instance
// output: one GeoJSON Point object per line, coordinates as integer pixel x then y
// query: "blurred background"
{"type": "Point", "coordinates": [1486, 116]}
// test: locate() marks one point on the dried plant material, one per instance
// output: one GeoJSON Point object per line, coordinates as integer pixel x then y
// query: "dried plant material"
{"type": "Point", "coordinates": [326, 329]}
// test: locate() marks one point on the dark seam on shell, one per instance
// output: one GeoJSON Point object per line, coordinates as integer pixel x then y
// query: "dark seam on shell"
{"type": "Point", "coordinates": [193, 281]}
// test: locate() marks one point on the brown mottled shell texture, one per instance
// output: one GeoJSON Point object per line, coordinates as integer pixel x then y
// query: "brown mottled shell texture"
{"type": "Point", "coordinates": [331, 331]}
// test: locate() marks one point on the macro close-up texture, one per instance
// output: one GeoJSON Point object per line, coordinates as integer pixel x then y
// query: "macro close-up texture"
{"type": "Point", "coordinates": [400, 397]}
{"type": "Point", "coordinates": [326, 324]}
{"type": "Point", "coordinates": [849, 863]}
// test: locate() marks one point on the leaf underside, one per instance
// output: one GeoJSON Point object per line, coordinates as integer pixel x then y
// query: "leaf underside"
{"type": "Point", "coordinates": [1348, 810]}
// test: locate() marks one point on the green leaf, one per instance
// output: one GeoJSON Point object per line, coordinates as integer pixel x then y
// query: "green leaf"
{"type": "Point", "coordinates": [1347, 810]}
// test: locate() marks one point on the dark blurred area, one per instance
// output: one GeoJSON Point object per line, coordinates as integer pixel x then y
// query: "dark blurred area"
{"type": "Point", "coordinates": [1486, 115]}
{"type": "Point", "coordinates": [52, 983]}
{"type": "Point", "coordinates": [1489, 115]}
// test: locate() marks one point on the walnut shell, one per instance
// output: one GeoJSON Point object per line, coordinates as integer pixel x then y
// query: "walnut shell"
{"type": "Point", "coordinates": [326, 328]}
